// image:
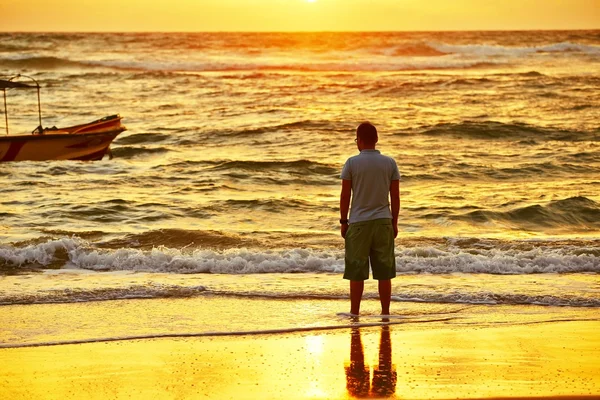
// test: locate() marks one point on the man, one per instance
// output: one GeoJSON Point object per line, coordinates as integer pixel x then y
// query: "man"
{"type": "Point", "coordinates": [368, 178]}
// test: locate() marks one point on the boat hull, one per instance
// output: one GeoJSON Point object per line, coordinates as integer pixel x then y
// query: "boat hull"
{"type": "Point", "coordinates": [87, 142]}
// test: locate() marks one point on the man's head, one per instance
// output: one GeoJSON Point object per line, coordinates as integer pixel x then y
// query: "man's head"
{"type": "Point", "coordinates": [366, 135]}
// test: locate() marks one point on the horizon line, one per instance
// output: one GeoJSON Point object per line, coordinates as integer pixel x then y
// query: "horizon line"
{"type": "Point", "coordinates": [323, 31]}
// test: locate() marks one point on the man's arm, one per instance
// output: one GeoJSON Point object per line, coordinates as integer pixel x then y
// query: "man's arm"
{"type": "Point", "coordinates": [345, 204]}
{"type": "Point", "coordinates": [395, 204]}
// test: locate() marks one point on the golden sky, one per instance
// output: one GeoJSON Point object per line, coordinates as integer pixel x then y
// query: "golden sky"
{"type": "Point", "coordinates": [296, 15]}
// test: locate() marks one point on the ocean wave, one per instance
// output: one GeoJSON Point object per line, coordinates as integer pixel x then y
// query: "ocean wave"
{"type": "Point", "coordinates": [350, 51]}
{"type": "Point", "coordinates": [491, 298]}
{"type": "Point", "coordinates": [11, 47]}
{"type": "Point", "coordinates": [111, 211]}
{"type": "Point", "coordinates": [298, 167]}
{"type": "Point", "coordinates": [268, 205]}
{"type": "Point", "coordinates": [494, 130]}
{"type": "Point", "coordinates": [42, 63]}
{"type": "Point", "coordinates": [236, 261]}
{"type": "Point", "coordinates": [534, 169]}
{"type": "Point", "coordinates": [423, 294]}
{"type": "Point", "coordinates": [479, 172]}
{"type": "Point", "coordinates": [78, 295]}
{"type": "Point", "coordinates": [517, 51]}
{"type": "Point", "coordinates": [502, 260]}
{"type": "Point", "coordinates": [468, 81]}
{"type": "Point", "coordinates": [547, 85]}
{"type": "Point", "coordinates": [291, 64]}
{"type": "Point", "coordinates": [576, 213]}
{"type": "Point", "coordinates": [181, 239]}
{"type": "Point", "coordinates": [530, 74]}
{"type": "Point", "coordinates": [128, 152]}
{"type": "Point", "coordinates": [141, 138]}
{"type": "Point", "coordinates": [294, 168]}
{"type": "Point", "coordinates": [580, 107]}
{"type": "Point", "coordinates": [458, 296]}
{"type": "Point", "coordinates": [294, 126]}
{"type": "Point", "coordinates": [48, 254]}
{"type": "Point", "coordinates": [412, 57]}
{"type": "Point", "coordinates": [249, 76]}
{"type": "Point", "coordinates": [418, 49]}
{"type": "Point", "coordinates": [299, 172]}
{"type": "Point", "coordinates": [587, 157]}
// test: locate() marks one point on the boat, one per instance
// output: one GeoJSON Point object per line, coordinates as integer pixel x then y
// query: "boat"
{"type": "Point", "coordinates": [84, 142]}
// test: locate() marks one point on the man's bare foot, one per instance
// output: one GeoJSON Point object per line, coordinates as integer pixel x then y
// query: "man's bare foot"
{"type": "Point", "coordinates": [349, 314]}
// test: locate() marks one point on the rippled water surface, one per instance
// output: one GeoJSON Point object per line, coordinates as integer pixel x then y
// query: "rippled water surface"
{"type": "Point", "coordinates": [231, 161]}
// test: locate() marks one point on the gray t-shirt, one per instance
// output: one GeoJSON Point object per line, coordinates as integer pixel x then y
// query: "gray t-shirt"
{"type": "Point", "coordinates": [371, 174]}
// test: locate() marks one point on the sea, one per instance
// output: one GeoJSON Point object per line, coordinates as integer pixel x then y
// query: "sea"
{"type": "Point", "coordinates": [225, 186]}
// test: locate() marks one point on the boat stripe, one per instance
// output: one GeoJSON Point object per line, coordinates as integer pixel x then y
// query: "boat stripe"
{"type": "Point", "coordinates": [13, 150]}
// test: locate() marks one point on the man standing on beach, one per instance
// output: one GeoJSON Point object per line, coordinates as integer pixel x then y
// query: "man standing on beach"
{"type": "Point", "coordinates": [372, 181]}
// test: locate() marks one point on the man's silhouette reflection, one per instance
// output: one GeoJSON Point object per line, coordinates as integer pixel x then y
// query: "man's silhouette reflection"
{"type": "Point", "coordinates": [357, 373]}
{"type": "Point", "coordinates": [384, 376]}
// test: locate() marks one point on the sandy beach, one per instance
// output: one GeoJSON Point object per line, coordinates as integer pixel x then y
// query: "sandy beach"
{"type": "Point", "coordinates": [402, 358]}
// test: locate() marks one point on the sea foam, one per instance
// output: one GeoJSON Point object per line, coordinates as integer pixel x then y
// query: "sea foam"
{"type": "Point", "coordinates": [504, 260]}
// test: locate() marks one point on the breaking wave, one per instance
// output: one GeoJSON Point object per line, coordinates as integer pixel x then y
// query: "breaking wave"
{"type": "Point", "coordinates": [510, 259]}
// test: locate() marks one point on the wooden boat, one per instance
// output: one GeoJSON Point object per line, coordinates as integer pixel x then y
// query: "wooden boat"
{"type": "Point", "coordinates": [87, 142]}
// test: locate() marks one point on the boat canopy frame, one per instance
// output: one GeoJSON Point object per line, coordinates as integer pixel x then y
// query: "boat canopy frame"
{"type": "Point", "coordinates": [10, 84]}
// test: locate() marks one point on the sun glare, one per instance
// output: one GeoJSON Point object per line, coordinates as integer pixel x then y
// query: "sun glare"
{"type": "Point", "coordinates": [296, 15]}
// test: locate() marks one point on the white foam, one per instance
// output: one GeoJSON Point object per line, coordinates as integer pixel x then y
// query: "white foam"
{"type": "Point", "coordinates": [496, 261]}
{"type": "Point", "coordinates": [234, 261]}
{"type": "Point", "coordinates": [42, 254]}
{"type": "Point", "coordinates": [431, 260]}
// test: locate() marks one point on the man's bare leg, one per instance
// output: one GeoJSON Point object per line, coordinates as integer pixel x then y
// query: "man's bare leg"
{"type": "Point", "coordinates": [385, 296]}
{"type": "Point", "coordinates": [356, 292]}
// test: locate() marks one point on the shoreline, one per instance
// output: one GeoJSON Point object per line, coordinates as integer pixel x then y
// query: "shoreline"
{"type": "Point", "coordinates": [479, 357]}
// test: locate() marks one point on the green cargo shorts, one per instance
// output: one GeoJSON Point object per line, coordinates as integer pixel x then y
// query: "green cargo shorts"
{"type": "Point", "coordinates": [370, 241]}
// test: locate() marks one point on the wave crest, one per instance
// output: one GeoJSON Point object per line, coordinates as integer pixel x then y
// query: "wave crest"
{"type": "Point", "coordinates": [494, 130]}
{"type": "Point", "coordinates": [104, 294]}
{"type": "Point", "coordinates": [42, 63]}
{"type": "Point", "coordinates": [575, 213]}
{"type": "Point", "coordinates": [501, 50]}
{"type": "Point", "coordinates": [508, 259]}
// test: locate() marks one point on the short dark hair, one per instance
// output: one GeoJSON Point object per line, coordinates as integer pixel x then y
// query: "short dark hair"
{"type": "Point", "coordinates": [367, 133]}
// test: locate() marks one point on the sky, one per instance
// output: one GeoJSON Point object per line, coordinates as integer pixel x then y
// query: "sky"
{"type": "Point", "coordinates": [295, 15]}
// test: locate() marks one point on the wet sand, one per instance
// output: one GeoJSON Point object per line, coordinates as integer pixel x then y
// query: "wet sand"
{"type": "Point", "coordinates": [414, 361]}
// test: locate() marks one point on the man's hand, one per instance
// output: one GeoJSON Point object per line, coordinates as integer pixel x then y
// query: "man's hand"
{"type": "Point", "coordinates": [395, 204]}
{"type": "Point", "coordinates": [343, 230]}
{"type": "Point", "coordinates": [345, 196]}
